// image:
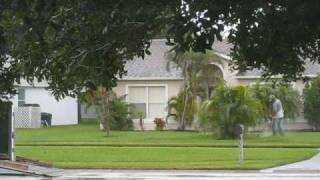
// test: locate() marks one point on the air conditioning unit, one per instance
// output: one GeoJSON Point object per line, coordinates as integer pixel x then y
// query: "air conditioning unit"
{"type": "Point", "coordinates": [28, 116]}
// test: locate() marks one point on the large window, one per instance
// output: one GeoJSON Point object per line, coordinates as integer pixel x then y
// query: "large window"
{"type": "Point", "coordinates": [150, 100]}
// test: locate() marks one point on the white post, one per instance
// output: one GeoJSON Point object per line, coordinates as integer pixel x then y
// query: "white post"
{"type": "Point", "coordinates": [12, 155]}
{"type": "Point", "coordinates": [241, 149]}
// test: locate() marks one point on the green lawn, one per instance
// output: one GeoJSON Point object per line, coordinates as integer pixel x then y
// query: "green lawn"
{"type": "Point", "coordinates": [89, 134]}
{"type": "Point", "coordinates": [163, 157]}
{"type": "Point", "coordinates": [84, 146]}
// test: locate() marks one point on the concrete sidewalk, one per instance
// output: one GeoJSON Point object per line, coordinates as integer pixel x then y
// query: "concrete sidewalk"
{"type": "Point", "coordinates": [308, 166]}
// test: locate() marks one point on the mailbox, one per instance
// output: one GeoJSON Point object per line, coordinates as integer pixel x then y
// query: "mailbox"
{"type": "Point", "coordinates": [239, 130]}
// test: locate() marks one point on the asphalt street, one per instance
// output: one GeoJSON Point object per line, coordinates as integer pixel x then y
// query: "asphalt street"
{"type": "Point", "coordinates": [174, 175]}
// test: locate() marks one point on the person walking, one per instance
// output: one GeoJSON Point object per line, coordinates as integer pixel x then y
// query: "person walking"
{"type": "Point", "coordinates": [277, 115]}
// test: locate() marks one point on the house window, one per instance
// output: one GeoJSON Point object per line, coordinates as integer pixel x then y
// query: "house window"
{"type": "Point", "coordinates": [21, 96]}
{"type": "Point", "coordinates": [150, 100]}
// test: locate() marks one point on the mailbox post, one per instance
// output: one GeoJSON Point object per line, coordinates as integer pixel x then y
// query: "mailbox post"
{"type": "Point", "coordinates": [239, 132]}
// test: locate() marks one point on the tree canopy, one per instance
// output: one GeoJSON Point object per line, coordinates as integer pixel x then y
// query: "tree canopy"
{"type": "Point", "coordinates": [77, 45]}
{"type": "Point", "coordinates": [73, 44]}
{"type": "Point", "coordinates": [275, 36]}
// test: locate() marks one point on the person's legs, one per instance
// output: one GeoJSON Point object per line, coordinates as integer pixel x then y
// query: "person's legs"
{"type": "Point", "coordinates": [274, 126]}
{"type": "Point", "coordinates": [280, 126]}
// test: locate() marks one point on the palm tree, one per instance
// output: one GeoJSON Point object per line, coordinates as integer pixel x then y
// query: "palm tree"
{"type": "Point", "coordinates": [176, 106]}
{"type": "Point", "coordinates": [194, 70]}
{"type": "Point", "coordinates": [228, 107]}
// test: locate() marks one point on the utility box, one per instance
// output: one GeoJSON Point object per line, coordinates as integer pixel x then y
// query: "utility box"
{"type": "Point", "coordinates": [6, 131]}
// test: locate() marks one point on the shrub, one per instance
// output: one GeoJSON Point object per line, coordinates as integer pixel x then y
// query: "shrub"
{"type": "Point", "coordinates": [176, 106]}
{"type": "Point", "coordinates": [160, 124]}
{"type": "Point", "coordinates": [228, 107]}
{"type": "Point", "coordinates": [312, 103]}
{"type": "Point", "coordinates": [113, 112]}
{"type": "Point", "coordinates": [120, 116]}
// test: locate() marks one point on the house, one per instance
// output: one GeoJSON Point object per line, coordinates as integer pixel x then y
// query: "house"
{"type": "Point", "coordinates": [64, 112]}
{"type": "Point", "coordinates": [149, 83]}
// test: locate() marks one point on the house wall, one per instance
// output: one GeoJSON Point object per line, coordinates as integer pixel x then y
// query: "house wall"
{"type": "Point", "coordinates": [173, 88]}
{"type": "Point", "coordinates": [63, 112]}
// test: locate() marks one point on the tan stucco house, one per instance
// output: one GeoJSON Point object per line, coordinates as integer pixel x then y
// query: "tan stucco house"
{"type": "Point", "coordinates": [149, 83]}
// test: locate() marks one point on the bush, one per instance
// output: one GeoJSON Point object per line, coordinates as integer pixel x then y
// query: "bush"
{"type": "Point", "coordinates": [113, 112]}
{"type": "Point", "coordinates": [160, 124]}
{"type": "Point", "coordinates": [176, 106]}
{"type": "Point", "coordinates": [312, 103]}
{"type": "Point", "coordinates": [228, 107]}
{"type": "Point", "coordinates": [120, 116]}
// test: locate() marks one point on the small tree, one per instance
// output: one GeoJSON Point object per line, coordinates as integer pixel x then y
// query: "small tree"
{"type": "Point", "coordinates": [113, 112]}
{"type": "Point", "coordinates": [228, 107]}
{"type": "Point", "coordinates": [312, 103]}
{"type": "Point", "coordinates": [194, 70]}
{"type": "Point", "coordinates": [177, 106]}
{"type": "Point", "coordinates": [101, 99]}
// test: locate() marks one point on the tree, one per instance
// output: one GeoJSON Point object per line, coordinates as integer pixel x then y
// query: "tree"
{"type": "Point", "coordinates": [278, 37]}
{"type": "Point", "coordinates": [181, 109]}
{"type": "Point", "coordinates": [194, 71]}
{"type": "Point", "coordinates": [101, 99]}
{"type": "Point", "coordinates": [312, 103]}
{"type": "Point", "coordinates": [75, 45]}
{"type": "Point", "coordinates": [113, 112]}
{"type": "Point", "coordinates": [228, 107]}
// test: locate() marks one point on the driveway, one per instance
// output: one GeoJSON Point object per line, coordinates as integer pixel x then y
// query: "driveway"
{"type": "Point", "coordinates": [308, 166]}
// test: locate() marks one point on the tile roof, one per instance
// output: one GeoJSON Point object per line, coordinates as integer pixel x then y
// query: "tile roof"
{"type": "Point", "coordinates": [311, 69]}
{"type": "Point", "coordinates": [154, 66]}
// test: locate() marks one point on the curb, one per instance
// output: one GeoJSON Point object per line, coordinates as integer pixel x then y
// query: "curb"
{"type": "Point", "coordinates": [21, 168]}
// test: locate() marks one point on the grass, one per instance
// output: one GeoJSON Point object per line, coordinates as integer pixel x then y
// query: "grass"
{"type": "Point", "coordinates": [88, 134]}
{"type": "Point", "coordinates": [163, 157]}
{"type": "Point", "coordinates": [84, 146]}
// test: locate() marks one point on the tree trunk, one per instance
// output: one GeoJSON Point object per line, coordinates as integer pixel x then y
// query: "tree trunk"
{"type": "Point", "coordinates": [185, 103]}
{"type": "Point", "coordinates": [107, 115]}
{"type": "Point", "coordinates": [183, 118]}
{"type": "Point", "coordinates": [104, 119]}
{"type": "Point", "coordinates": [100, 117]}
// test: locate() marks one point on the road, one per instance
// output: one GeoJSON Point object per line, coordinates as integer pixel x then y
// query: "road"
{"type": "Point", "coordinates": [174, 175]}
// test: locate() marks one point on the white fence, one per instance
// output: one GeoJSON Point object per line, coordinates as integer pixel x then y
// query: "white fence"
{"type": "Point", "coordinates": [27, 117]}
